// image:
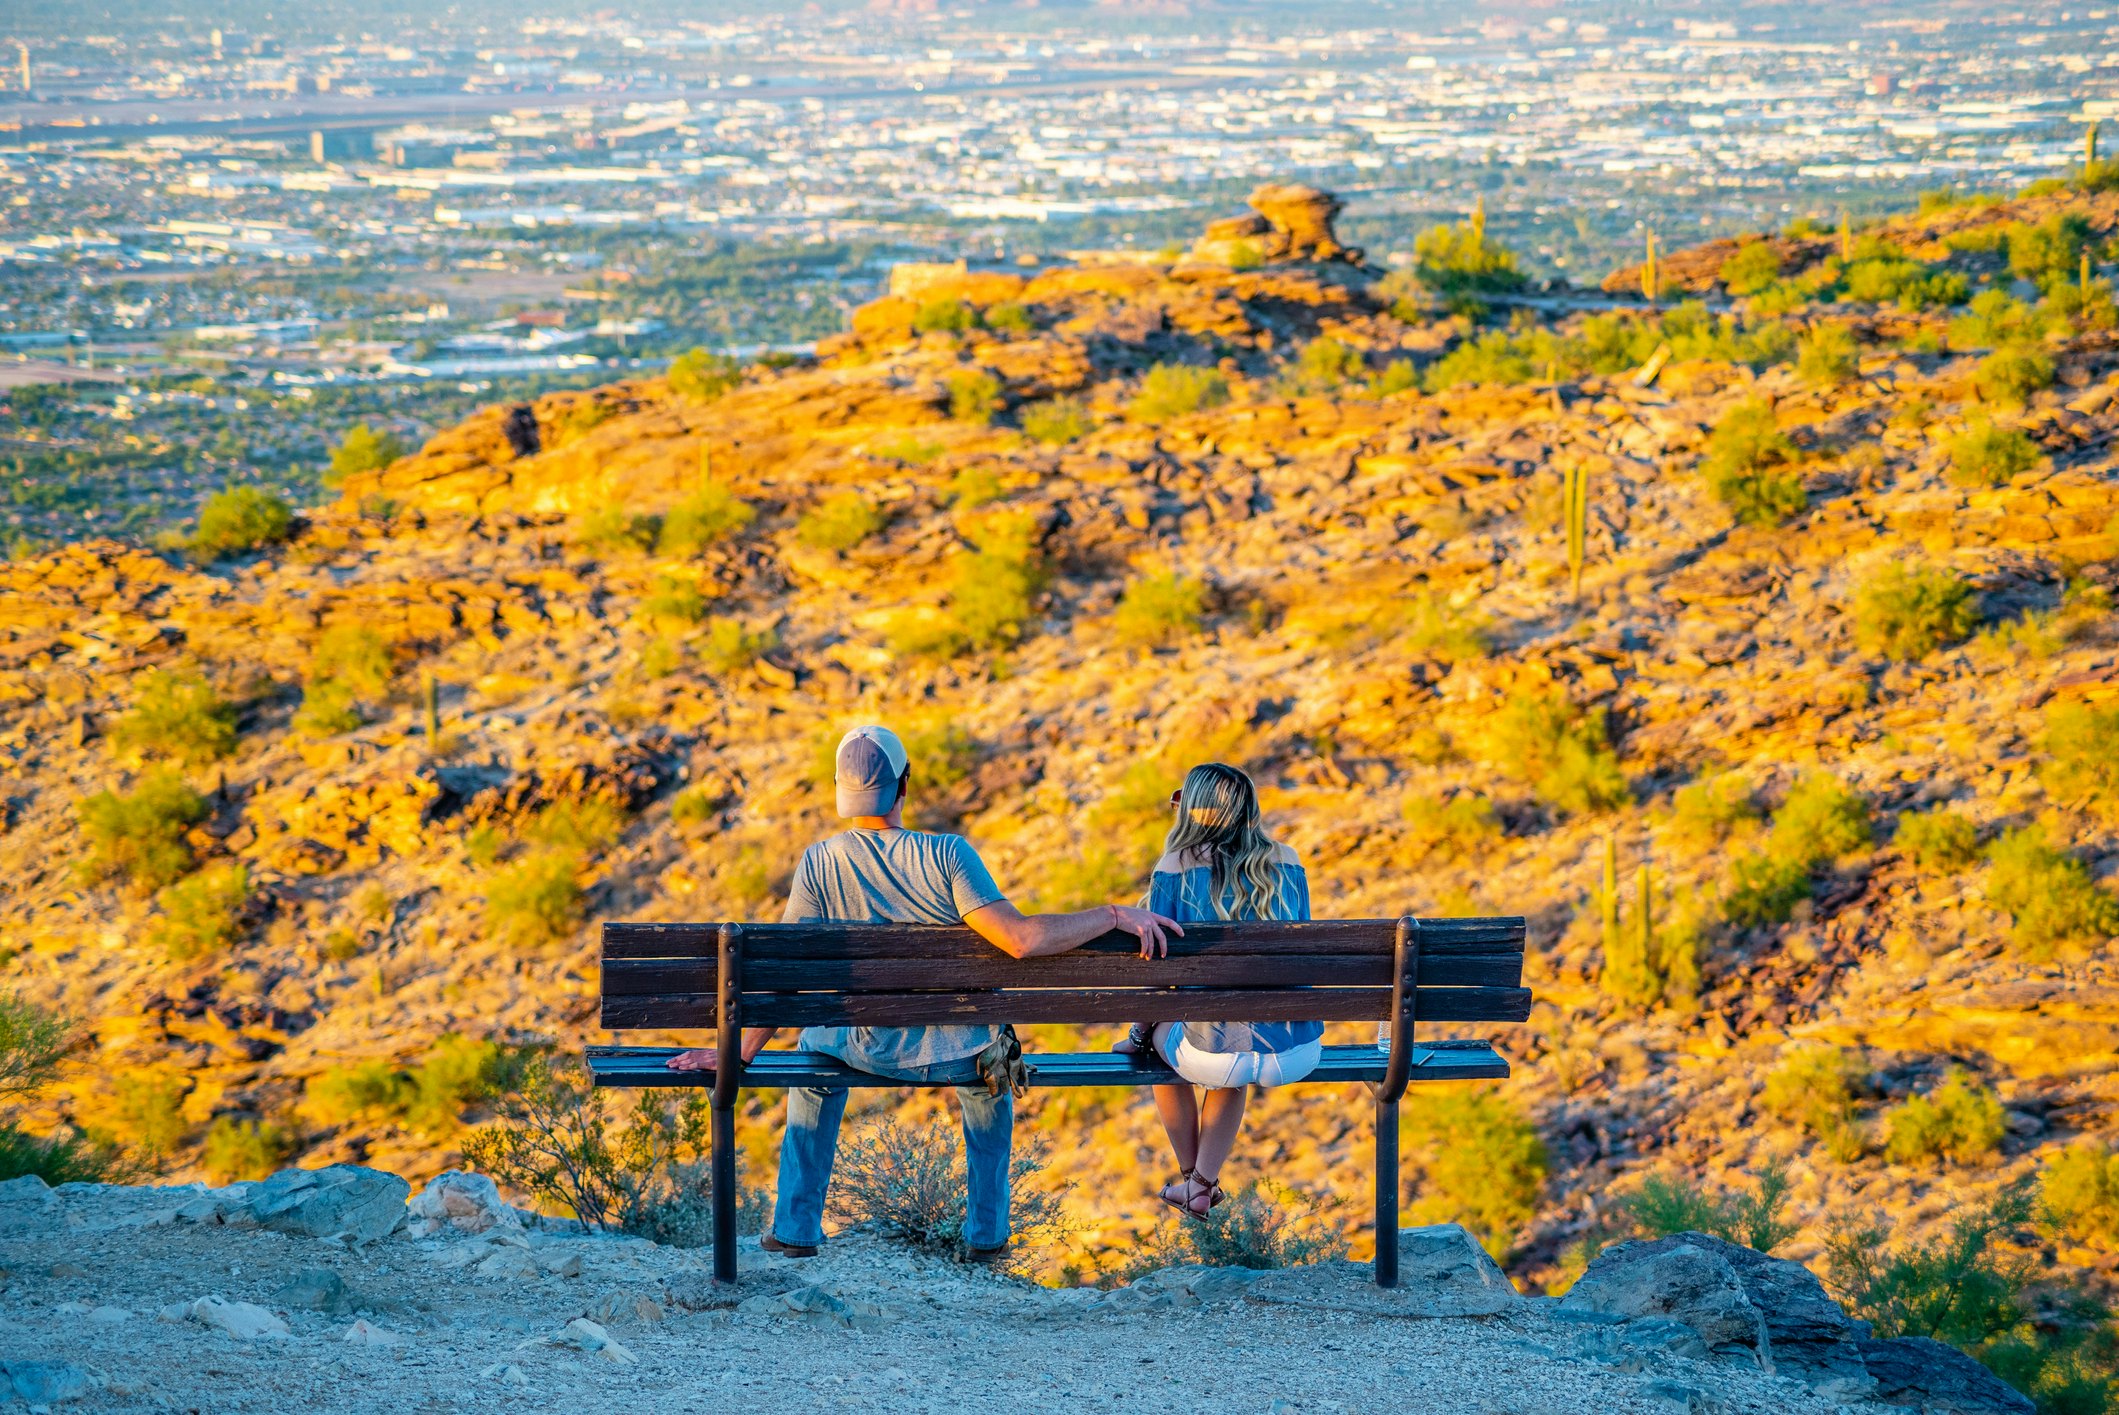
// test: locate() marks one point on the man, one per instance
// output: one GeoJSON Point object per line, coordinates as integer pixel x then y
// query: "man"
{"type": "Point", "coordinates": [879, 872]}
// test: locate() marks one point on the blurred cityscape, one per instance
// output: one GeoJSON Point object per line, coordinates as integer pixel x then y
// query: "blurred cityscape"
{"type": "Point", "coordinates": [391, 214]}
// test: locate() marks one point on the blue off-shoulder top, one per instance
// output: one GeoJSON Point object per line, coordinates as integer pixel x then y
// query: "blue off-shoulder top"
{"type": "Point", "coordinates": [1184, 891]}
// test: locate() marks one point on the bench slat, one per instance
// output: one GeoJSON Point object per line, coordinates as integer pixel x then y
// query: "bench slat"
{"type": "Point", "coordinates": [1328, 937]}
{"type": "Point", "coordinates": [644, 1066]}
{"type": "Point", "coordinates": [1078, 1005]}
{"type": "Point", "coordinates": [648, 977]}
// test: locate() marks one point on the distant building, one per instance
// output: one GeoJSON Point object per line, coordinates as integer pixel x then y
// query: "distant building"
{"type": "Point", "coordinates": [22, 57]}
{"type": "Point", "coordinates": [331, 144]}
{"type": "Point", "coordinates": [1882, 83]}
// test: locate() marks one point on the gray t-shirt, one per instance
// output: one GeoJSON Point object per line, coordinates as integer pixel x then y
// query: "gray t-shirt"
{"type": "Point", "coordinates": [891, 877]}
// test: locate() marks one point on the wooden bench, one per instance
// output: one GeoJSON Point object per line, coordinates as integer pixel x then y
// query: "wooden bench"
{"type": "Point", "coordinates": [731, 976]}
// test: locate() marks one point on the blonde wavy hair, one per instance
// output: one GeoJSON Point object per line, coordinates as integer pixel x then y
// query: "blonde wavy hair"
{"type": "Point", "coordinates": [1217, 817]}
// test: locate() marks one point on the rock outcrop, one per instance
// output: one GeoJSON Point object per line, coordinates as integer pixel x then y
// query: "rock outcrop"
{"type": "Point", "coordinates": [1286, 222]}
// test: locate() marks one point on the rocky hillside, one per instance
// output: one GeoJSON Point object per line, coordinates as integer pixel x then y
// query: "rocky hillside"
{"type": "Point", "coordinates": [1842, 634]}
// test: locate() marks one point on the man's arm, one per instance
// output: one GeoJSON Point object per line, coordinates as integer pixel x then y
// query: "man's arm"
{"type": "Point", "coordinates": [1021, 935]}
{"type": "Point", "coordinates": [709, 1058]}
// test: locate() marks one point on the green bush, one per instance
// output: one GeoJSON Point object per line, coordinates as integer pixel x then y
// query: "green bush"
{"type": "Point", "coordinates": [1821, 820]}
{"type": "Point", "coordinates": [701, 376]}
{"type": "Point", "coordinates": [1912, 285]}
{"type": "Point", "coordinates": [590, 825]}
{"type": "Point", "coordinates": [362, 450]}
{"type": "Point", "coordinates": [696, 805]}
{"type": "Point", "coordinates": [1962, 1289]}
{"type": "Point", "coordinates": [1755, 266]}
{"type": "Point", "coordinates": [1453, 828]}
{"type": "Point", "coordinates": [1994, 319]}
{"type": "Point", "coordinates": [974, 395]}
{"type": "Point", "coordinates": [62, 1159]}
{"type": "Point", "coordinates": [1324, 365]}
{"type": "Point", "coordinates": [456, 1071]}
{"type": "Point", "coordinates": [203, 914]}
{"type": "Point", "coordinates": [1989, 454]}
{"type": "Point", "coordinates": [839, 522]}
{"type": "Point", "coordinates": [147, 1111]}
{"type": "Point", "coordinates": [142, 835]}
{"type": "Point", "coordinates": [2048, 252]}
{"type": "Point", "coordinates": [613, 530]}
{"type": "Point", "coordinates": [944, 317]}
{"type": "Point", "coordinates": [1958, 1121]}
{"type": "Point", "coordinates": [1172, 390]}
{"type": "Point", "coordinates": [176, 717]}
{"type": "Point", "coordinates": [1056, 421]}
{"type": "Point", "coordinates": [239, 1150]}
{"type": "Point", "coordinates": [33, 1045]}
{"type": "Point", "coordinates": [537, 900]}
{"type": "Point", "coordinates": [728, 645]}
{"type": "Point", "coordinates": [973, 487]}
{"type": "Point", "coordinates": [1665, 1206]}
{"type": "Point", "coordinates": [1708, 811]}
{"type": "Point", "coordinates": [367, 1090]}
{"type": "Point", "coordinates": [2009, 376]}
{"type": "Point", "coordinates": [1260, 1226]}
{"type": "Point", "coordinates": [707, 517]}
{"type": "Point", "coordinates": [1485, 1164]}
{"type": "Point", "coordinates": [2049, 895]}
{"type": "Point", "coordinates": [354, 655]}
{"type": "Point", "coordinates": [238, 519]}
{"type": "Point", "coordinates": [2079, 1192]}
{"type": "Point", "coordinates": [1459, 263]}
{"type": "Point", "coordinates": [1814, 1090]}
{"type": "Point", "coordinates": [1828, 355]}
{"type": "Point", "coordinates": [906, 1182]}
{"type": "Point", "coordinates": [1938, 841]}
{"type": "Point", "coordinates": [673, 601]}
{"type": "Point", "coordinates": [2081, 310]}
{"type": "Point", "coordinates": [1908, 609]}
{"type": "Point", "coordinates": [2081, 766]}
{"type": "Point", "coordinates": [1397, 376]}
{"type": "Point", "coordinates": [1561, 752]}
{"type": "Point", "coordinates": [1009, 318]}
{"type": "Point", "coordinates": [992, 592]}
{"type": "Point", "coordinates": [1765, 889]}
{"type": "Point", "coordinates": [327, 709]}
{"type": "Point", "coordinates": [1752, 466]}
{"type": "Point", "coordinates": [1160, 609]}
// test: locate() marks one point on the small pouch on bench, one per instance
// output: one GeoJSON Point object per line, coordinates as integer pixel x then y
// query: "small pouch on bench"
{"type": "Point", "coordinates": [1001, 1065]}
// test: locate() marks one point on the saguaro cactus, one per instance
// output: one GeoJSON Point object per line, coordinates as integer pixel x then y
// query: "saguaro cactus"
{"type": "Point", "coordinates": [433, 696]}
{"type": "Point", "coordinates": [1649, 283]}
{"type": "Point", "coordinates": [1846, 236]}
{"type": "Point", "coordinates": [1647, 911]}
{"type": "Point", "coordinates": [1612, 943]}
{"type": "Point", "coordinates": [2089, 150]}
{"type": "Point", "coordinates": [1479, 222]}
{"type": "Point", "coordinates": [1575, 493]}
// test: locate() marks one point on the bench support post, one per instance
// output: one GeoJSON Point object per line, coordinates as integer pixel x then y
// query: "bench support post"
{"type": "Point", "coordinates": [728, 1043]}
{"type": "Point", "coordinates": [1405, 993]}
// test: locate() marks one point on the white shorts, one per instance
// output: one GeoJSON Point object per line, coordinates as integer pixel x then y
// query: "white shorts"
{"type": "Point", "coordinates": [1228, 1070]}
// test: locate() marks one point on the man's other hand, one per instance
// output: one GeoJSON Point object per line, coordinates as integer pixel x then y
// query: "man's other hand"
{"type": "Point", "coordinates": [698, 1059]}
{"type": "Point", "coordinates": [1147, 926]}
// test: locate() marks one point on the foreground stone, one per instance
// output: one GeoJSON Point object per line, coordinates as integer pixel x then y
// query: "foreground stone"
{"type": "Point", "coordinates": [341, 1201]}
{"type": "Point", "coordinates": [1938, 1380]}
{"type": "Point", "coordinates": [46, 1382]}
{"type": "Point", "coordinates": [460, 1200]}
{"type": "Point", "coordinates": [245, 1321]}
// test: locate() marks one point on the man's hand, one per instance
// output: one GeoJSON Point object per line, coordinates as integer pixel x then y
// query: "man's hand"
{"type": "Point", "coordinates": [709, 1058]}
{"type": "Point", "coordinates": [1148, 927]}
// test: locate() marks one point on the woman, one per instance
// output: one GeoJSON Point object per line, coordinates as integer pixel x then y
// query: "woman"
{"type": "Point", "coordinates": [1218, 863]}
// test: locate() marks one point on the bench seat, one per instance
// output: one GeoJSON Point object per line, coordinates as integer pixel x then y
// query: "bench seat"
{"type": "Point", "coordinates": [1431, 1061]}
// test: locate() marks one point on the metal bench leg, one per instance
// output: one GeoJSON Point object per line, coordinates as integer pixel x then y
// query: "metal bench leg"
{"type": "Point", "coordinates": [724, 1197]}
{"type": "Point", "coordinates": [1386, 1192]}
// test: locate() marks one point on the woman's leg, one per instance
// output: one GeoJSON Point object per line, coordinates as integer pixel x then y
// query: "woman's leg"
{"type": "Point", "coordinates": [1179, 1112]}
{"type": "Point", "coordinates": [1220, 1117]}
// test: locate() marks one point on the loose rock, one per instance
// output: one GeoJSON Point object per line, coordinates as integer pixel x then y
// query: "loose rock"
{"type": "Point", "coordinates": [345, 1201]}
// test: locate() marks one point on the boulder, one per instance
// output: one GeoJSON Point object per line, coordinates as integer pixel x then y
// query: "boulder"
{"type": "Point", "coordinates": [28, 1189]}
{"type": "Point", "coordinates": [45, 1382]}
{"type": "Point", "coordinates": [1301, 218]}
{"type": "Point", "coordinates": [245, 1321]}
{"type": "Point", "coordinates": [1811, 1337]}
{"type": "Point", "coordinates": [585, 1335]}
{"type": "Point", "coordinates": [345, 1201]}
{"type": "Point", "coordinates": [364, 1333]}
{"type": "Point", "coordinates": [1935, 1379]}
{"type": "Point", "coordinates": [459, 1200]}
{"type": "Point", "coordinates": [1679, 1279]}
{"type": "Point", "coordinates": [314, 1290]}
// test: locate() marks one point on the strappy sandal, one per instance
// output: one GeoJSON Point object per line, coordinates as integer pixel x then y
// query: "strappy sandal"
{"type": "Point", "coordinates": [1140, 1040]}
{"type": "Point", "coordinates": [1210, 1190]}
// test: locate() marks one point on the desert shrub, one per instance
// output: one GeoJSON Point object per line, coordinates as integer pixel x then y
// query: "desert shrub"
{"type": "Point", "coordinates": [2009, 376]}
{"type": "Point", "coordinates": [1827, 355]}
{"type": "Point", "coordinates": [1958, 1120]}
{"type": "Point", "coordinates": [701, 376]}
{"type": "Point", "coordinates": [537, 900]}
{"type": "Point", "coordinates": [244, 1149]}
{"type": "Point", "coordinates": [590, 824]}
{"type": "Point", "coordinates": [1428, 623]}
{"type": "Point", "coordinates": [1751, 465]}
{"type": "Point", "coordinates": [1260, 1226]}
{"type": "Point", "coordinates": [992, 591]}
{"type": "Point", "coordinates": [973, 487]}
{"type": "Point", "coordinates": [708, 516]}
{"type": "Point", "coordinates": [2079, 1192]}
{"type": "Point", "coordinates": [362, 449]}
{"type": "Point", "coordinates": [1814, 1089]}
{"type": "Point", "coordinates": [613, 530]}
{"type": "Point", "coordinates": [907, 1183]}
{"type": "Point", "coordinates": [1708, 811]}
{"type": "Point", "coordinates": [1765, 889]}
{"type": "Point", "coordinates": [570, 1148]}
{"type": "Point", "coordinates": [142, 835]}
{"type": "Point", "coordinates": [176, 717]}
{"type": "Point", "coordinates": [1666, 1205]}
{"type": "Point", "coordinates": [728, 645]}
{"type": "Point", "coordinates": [1820, 820]}
{"type": "Point", "coordinates": [1910, 608]}
{"type": "Point", "coordinates": [366, 1090]}
{"type": "Point", "coordinates": [1459, 263]}
{"type": "Point", "coordinates": [1994, 319]}
{"type": "Point", "coordinates": [1325, 364]}
{"type": "Point", "coordinates": [147, 1112]}
{"type": "Point", "coordinates": [1560, 751]}
{"type": "Point", "coordinates": [203, 914]}
{"type": "Point", "coordinates": [2049, 895]}
{"type": "Point", "coordinates": [1909, 283]}
{"type": "Point", "coordinates": [33, 1044]}
{"type": "Point", "coordinates": [2048, 252]}
{"type": "Point", "coordinates": [238, 519]}
{"type": "Point", "coordinates": [839, 522]}
{"type": "Point", "coordinates": [2080, 309]}
{"type": "Point", "coordinates": [1938, 841]}
{"type": "Point", "coordinates": [455, 1071]}
{"type": "Point", "coordinates": [1009, 318]}
{"type": "Point", "coordinates": [2081, 766]}
{"type": "Point", "coordinates": [1449, 828]}
{"type": "Point", "coordinates": [1988, 454]}
{"type": "Point", "coordinates": [1485, 1163]}
{"type": "Point", "coordinates": [673, 601]}
{"type": "Point", "coordinates": [327, 709]}
{"type": "Point", "coordinates": [974, 395]}
{"type": "Point", "coordinates": [1160, 609]}
{"type": "Point", "coordinates": [355, 655]}
{"type": "Point", "coordinates": [1172, 390]}
{"type": "Point", "coordinates": [580, 418]}
{"type": "Point", "coordinates": [944, 317]}
{"type": "Point", "coordinates": [696, 805]}
{"type": "Point", "coordinates": [1499, 357]}
{"type": "Point", "coordinates": [1056, 420]}
{"type": "Point", "coordinates": [1754, 266]}
{"type": "Point", "coordinates": [65, 1158]}
{"type": "Point", "coordinates": [1397, 376]}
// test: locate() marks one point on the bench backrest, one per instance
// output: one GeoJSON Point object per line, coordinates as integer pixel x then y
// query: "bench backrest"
{"type": "Point", "coordinates": [896, 975]}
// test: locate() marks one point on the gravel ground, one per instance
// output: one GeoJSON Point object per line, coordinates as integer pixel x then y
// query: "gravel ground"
{"type": "Point", "coordinates": [475, 1324]}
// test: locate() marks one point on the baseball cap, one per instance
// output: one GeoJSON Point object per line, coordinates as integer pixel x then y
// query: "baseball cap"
{"type": "Point", "coordinates": [870, 763]}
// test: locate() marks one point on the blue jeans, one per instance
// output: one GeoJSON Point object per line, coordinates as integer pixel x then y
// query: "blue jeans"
{"type": "Point", "coordinates": [812, 1142]}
